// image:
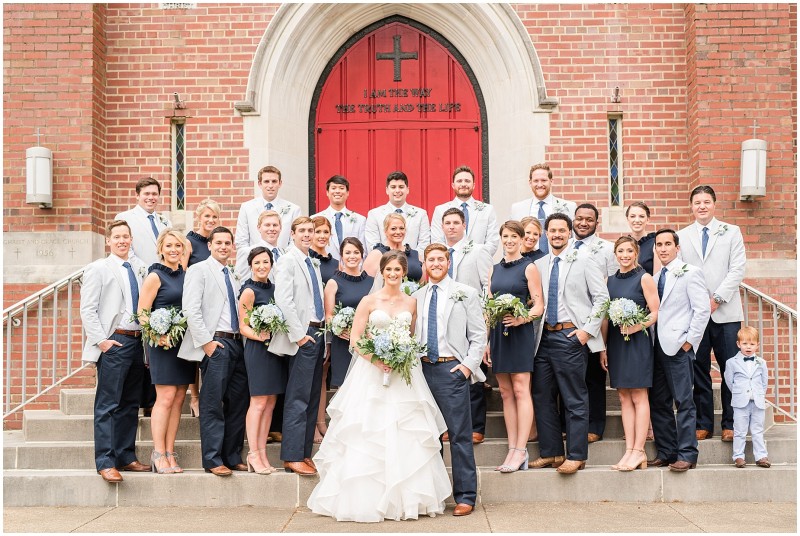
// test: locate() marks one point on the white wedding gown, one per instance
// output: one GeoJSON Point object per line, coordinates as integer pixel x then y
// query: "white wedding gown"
{"type": "Point", "coordinates": [380, 456]}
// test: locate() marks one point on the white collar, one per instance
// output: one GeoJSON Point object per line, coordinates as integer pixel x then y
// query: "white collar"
{"type": "Point", "coordinates": [672, 265]}
{"type": "Point", "coordinates": [458, 246]}
{"type": "Point", "coordinates": [443, 285]}
{"type": "Point", "coordinates": [140, 210]}
{"type": "Point", "coordinates": [712, 226]}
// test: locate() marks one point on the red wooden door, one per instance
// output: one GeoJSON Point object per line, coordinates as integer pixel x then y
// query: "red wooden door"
{"type": "Point", "coordinates": [396, 99]}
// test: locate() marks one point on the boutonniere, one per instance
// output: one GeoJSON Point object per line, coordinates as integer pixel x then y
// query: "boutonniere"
{"type": "Point", "coordinates": [458, 296]}
{"type": "Point", "coordinates": [680, 270]}
{"type": "Point", "coordinates": [232, 271]}
{"type": "Point", "coordinates": [315, 262]}
{"type": "Point", "coordinates": [350, 216]}
{"type": "Point", "coordinates": [479, 206]}
{"type": "Point", "coordinates": [559, 206]}
{"type": "Point", "coordinates": [163, 220]}
{"type": "Point", "coordinates": [571, 256]}
{"type": "Point", "coordinates": [721, 230]}
{"type": "Point", "coordinates": [284, 211]}
{"type": "Point", "coordinates": [142, 272]}
{"type": "Point", "coordinates": [597, 246]}
{"type": "Point", "coordinates": [468, 247]}
{"type": "Point", "coordinates": [411, 212]}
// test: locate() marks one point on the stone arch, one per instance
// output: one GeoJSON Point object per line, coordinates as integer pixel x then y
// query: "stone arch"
{"type": "Point", "coordinates": [301, 39]}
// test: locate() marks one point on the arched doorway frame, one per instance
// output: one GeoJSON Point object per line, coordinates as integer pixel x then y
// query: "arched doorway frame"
{"type": "Point", "coordinates": [301, 39]}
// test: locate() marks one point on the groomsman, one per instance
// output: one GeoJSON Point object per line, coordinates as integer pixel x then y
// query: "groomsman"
{"type": "Point", "coordinates": [601, 253]}
{"type": "Point", "coordinates": [569, 330]}
{"type": "Point", "coordinates": [270, 182]}
{"type": "Point", "coordinates": [682, 316]}
{"type": "Point", "coordinates": [299, 296]}
{"type": "Point", "coordinates": [109, 296]}
{"type": "Point", "coordinates": [543, 203]}
{"type": "Point", "coordinates": [481, 219]}
{"type": "Point", "coordinates": [344, 222]}
{"type": "Point", "coordinates": [455, 336]}
{"type": "Point", "coordinates": [212, 337]}
{"type": "Point", "coordinates": [145, 222]}
{"type": "Point", "coordinates": [269, 229]}
{"type": "Point", "coordinates": [418, 230]}
{"type": "Point", "coordinates": [469, 265]}
{"type": "Point", "coordinates": [718, 249]}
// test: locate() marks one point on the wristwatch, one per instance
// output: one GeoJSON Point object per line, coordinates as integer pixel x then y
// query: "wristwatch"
{"type": "Point", "coordinates": [718, 299]}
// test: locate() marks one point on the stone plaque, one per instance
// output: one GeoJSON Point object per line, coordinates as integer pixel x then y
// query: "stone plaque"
{"type": "Point", "coordinates": [47, 257]}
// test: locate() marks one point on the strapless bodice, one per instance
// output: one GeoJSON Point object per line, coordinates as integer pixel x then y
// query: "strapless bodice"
{"type": "Point", "coordinates": [381, 319]}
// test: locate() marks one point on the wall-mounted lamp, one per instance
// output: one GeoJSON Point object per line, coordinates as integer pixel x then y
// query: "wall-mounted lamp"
{"type": "Point", "coordinates": [615, 98]}
{"type": "Point", "coordinates": [753, 175]}
{"type": "Point", "coordinates": [39, 175]}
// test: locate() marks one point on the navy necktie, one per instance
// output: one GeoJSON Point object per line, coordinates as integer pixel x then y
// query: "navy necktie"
{"type": "Point", "coordinates": [231, 301]}
{"type": "Point", "coordinates": [153, 224]}
{"type": "Point", "coordinates": [452, 262]}
{"type": "Point", "coordinates": [465, 210]}
{"type": "Point", "coordinates": [662, 280]}
{"type": "Point", "coordinates": [399, 210]}
{"type": "Point", "coordinates": [751, 358]}
{"type": "Point", "coordinates": [338, 226]}
{"type": "Point", "coordinates": [543, 237]}
{"type": "Point", "coordinates": [705, 240]}
{"type": "Point", "coordinates": [578, 244]}
{"type": "Point", "coordinates": [552, 295]}
{"type": "Point", "coordinates": [320, 312]}
{"type": "Point", "coordinates": [134, 288]}
{"type": "Point", "coordinates": [433, 335]}
{"type": "Point", "coordinates": [268, 206]}
{"type": "Point", "coordinates": [275, 254]}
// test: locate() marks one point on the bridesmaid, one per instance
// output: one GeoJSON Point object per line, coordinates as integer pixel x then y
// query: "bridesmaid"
{"type": "Point", "coordinates": [347, 287]}
{"type": "Point", "coordinates": [530, 243]}
{"type": "Point", "coordinates": [511, 356]}
{"type": "Point", "coordinates": [207, 213]}
{"type": "Point", "coordinates": [266, 372]}
{"type": "Point", "coordinates": [394, 226]}
{"type": "Point", "coordinates": [163, 287]}
{"type": "Point", "coordinates": [319, 249]}
{"type": "Point", "coordinates": [638, 216]}
{"type": "Point", "coordinates": [630, 363]}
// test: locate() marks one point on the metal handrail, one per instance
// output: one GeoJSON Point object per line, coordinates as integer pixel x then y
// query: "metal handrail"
{"type": "Point", "coordinates": [785, 308]}
{"type": "Point", "coordinates": [44, 293]}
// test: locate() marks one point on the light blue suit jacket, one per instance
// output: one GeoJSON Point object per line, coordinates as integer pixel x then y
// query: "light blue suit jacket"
{"type": "Point", "coordinates": [744, 384]}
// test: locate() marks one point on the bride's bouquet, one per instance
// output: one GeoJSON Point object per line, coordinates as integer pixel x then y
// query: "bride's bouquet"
{"type": "Point", "coordinates": [168, 321]}
{"type": "Point", "coordinates": [624, 312]}
{"type": "Point", "coordinates": [394, 345]}
{"type": "Point", "coordinates": [499, 306]}
{"type": "Point", "coordinates": [267, 317]}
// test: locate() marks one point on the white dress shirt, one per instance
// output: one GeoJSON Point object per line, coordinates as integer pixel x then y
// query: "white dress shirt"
{"type": "Point", "coordinates": [130, 308]}
{"type": "Point", "coordinates": [713, 225]}
{"type": "Point", "coordinates": [442, 295]}
{"type": "Point", "coordinates": [225, 317]}
{"type": "Point", "coordinates": [563, 315]}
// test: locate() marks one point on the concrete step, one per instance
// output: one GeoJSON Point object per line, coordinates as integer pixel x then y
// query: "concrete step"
{"type": "Point", "coordinates": [81, 401]}
{"type": "Point", "coordinates": [50, 425]}
{"type": "Point", "coordinates": [20, 454]}
{"type": "Point", "coordinates": [284, 490]}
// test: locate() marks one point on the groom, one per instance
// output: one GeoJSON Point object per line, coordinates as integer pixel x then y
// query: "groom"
{"type": "Point", "coordinates": [455, 340]}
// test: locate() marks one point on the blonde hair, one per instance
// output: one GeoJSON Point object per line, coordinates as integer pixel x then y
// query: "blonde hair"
{"type": "Point", "coordinates": [393, 216]}
{"type": "Point", "coordinates": [527, 220]}
{"type": "Point", "coordinates": [162, 237]}
{"type": "Point", "coordinates": [269, 214]}
{"type": "Point", "coordinates": [747, 333]}
{"type": "Point", "coordinates": [210, 204]}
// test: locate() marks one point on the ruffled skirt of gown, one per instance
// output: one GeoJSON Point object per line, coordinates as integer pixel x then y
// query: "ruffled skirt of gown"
{"type": "Point", "coordinates": [380, 458]}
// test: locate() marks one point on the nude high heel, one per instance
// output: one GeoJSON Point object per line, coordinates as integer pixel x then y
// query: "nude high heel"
{"type": "Point", "coordinates": [642, 465]}
{"type": "Point", "coordinates": [251, 469]}
{"type": "Point", "coordinates": [616, 465]}
{"type": "Point", "coordinates": [514, 469]}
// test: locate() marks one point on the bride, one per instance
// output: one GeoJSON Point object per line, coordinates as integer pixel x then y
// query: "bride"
{"type": "Point", "coordinates": [380, 458]}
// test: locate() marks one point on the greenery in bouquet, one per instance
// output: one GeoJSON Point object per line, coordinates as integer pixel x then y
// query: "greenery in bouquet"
{"type": "Point", "coordinates": [497, 307]}
{"type": "Point", "coordinates": [624, 312]}
{"type": "Point", "coordinates": [394, 345]}
{"type": "Point", "coordinates": [167, 321]}
{"type": "Point", "coordinates": [342, 320]}
{"type": "Point", "coordinates": [266, 318]}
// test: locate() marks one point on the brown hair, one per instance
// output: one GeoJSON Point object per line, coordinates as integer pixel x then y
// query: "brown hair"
{"type": "Point", "coordinates": [640, 205]}
{"type": "Point", "coordinates": [394, 255]}
{"type": "Point", "coordinates": [300, 220]}
{"type": "Point", "coordinates": [453, 211]}
{"type": "Point", "coordinates": [319, 221]}
{"type": "Point", "coordinates": [513, 226]}
{"type": "Point", "coordinates": [459, 169]}
{"type": "Point", "coordinates": [269, 169]}
{"type": "Point", "coordinates": [117, 223]}
{"type": "Point", "coordinates": [540, 166]}
{"type": "Point", "coordinates": [353, 241]}
{"type": "Point", "coordinates": [145, 182]}
{"type": "Point", "coordinates": [627, 238]}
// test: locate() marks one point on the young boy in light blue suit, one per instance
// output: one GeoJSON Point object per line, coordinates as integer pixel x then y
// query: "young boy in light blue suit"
{"type": "Point", "coordinates": [746, 376]}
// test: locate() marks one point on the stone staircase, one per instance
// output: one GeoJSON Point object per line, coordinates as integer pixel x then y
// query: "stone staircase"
{"type": "Point", "coordinates": [50, 462]}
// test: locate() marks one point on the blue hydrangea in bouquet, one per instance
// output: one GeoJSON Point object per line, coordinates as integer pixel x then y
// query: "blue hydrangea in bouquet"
{"type": "Point", "coordinates": [342, 320]}
{"type": "Point", "coordinates": [624, 312]}
{"type": "Point", "coordinates": [266, 318]}
{"type": "Point", "coordinates": [168, 322]}
{"type": "Point", "coordinates": [395, 346]}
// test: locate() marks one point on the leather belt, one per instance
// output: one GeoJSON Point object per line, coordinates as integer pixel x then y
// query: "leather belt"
{"type": "Point", "coordinates": [128, 332]}
{"type": "Point", "coordinates": [446, 359]}
{"type": "Point", "coordinates": [316, 324]}
{"type": "Point", "coordinates": [226, 335]}
{"type": "Point", "coordinates": [559, 326]}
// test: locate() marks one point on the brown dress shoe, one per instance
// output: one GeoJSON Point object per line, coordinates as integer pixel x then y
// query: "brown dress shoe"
{"type": "Point", "coordinates": [764, 462]}
{"type": "Point", "coordinates": [309, 462]}
{"type": "Point", "coordinates": [110, 475]}
{"type": "Point", "coordinates": [570, 467]}
{"type": "Point", "coordinates": [702, 434]}
{"type": "Point", "coordinates": [739, 462]}
{"type": "Point", "coordinates": [239, 467]}
{"type": "Point", "coordinates": [727, 435]}
{"type": "Point", "coordinates": [220, 471]}
{"type": "Point", "coordinates": [477, 439]}
{"type": "Point", "coordinates": [300, 468]}
{"type": "Point", "coordinates": [550, 461]}
{"type": "Point", "coordinates": [657, 462]}
{"type": "Point", "coordinates": [136, 467]}
{"type": "Point", "coordinates": [277, 437]}
{"type": "Point", "coordinates": [446, 437]}
{"type": "Point", "coordinates": [594, 437]}
{"type": "Point", "coordinates": [462, 509]}
{"type": "Point", "coordinates": [681, 466]}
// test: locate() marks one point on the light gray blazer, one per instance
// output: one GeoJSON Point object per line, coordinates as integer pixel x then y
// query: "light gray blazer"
{"type": "Point", "coordinates": [684, 309]}
{"type": "Point", "coordinates": [247, 223]}
{"type": "Point", "coordinates": [204, 296]}
{"type": "Point", "coordinates": [294, 294]}
{"type": "Point", "coordinates": [483, 227]}
{"type": "Point", "coordinates": [530, 207]}
{"type": "Point", "coordinates": [353, 224]}
{"type": "Point", "coordinates": [465, 330]}
{"type": "Point", "coordinates": [472, 268]}
{"type": "Point", "coordinates": [585, 292]}
{"type": "Point", "coordinates": [723, 267]}
{"type": "Point", "coordinates": [144, 241]}
{"type": "Point", "coordinates": [742, 383]}
{"type": "Point", "coordinates": [418, 230]}
{"type": "Point", "coordinates": [103, 301]}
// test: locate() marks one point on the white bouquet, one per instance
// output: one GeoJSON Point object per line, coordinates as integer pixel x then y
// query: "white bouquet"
{"type": "Point", "coordinates": [505, 304]}
{"type": "Point", "coordinates": [342, 319]}
{"type": "Point", "coordinates": [167, 321]}
{"type": "Point", "coordinates": [267, 317]}
{"type": "Point", "coordinates": [395, 346]}
{"type": "Point", "coordinates": [624, 312]}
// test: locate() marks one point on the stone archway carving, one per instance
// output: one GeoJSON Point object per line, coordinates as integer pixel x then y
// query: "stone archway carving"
{"type": "Point", "coordinates": [301, 38]}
